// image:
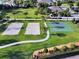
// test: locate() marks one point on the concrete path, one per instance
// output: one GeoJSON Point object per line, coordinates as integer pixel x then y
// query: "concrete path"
{"type": "Point", "coordinates": [62, 18]}
{"type": "Point", "coordinates": [29, 41]}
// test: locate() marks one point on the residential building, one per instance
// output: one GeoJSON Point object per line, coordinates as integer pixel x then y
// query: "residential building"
{"type": "Point", "coordinates": [8, 2]}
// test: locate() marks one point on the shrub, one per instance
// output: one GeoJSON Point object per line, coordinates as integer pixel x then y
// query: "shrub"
{"type": "Point", "coordinates": [77, 4]}
{"type": "Point", "coordinates": [73, 20]}
{"type": "Point", "coordinates": [26, 13]}
{"type": "Point", "coordinates": [64, 48]}
{"type": "Point", "coordinates": [55, 49]}
{"type": "Point", "coordinates": [36, 12]}
{"type": "Point", "coordinates": [59, 3]}
{"type": "Point", "coordinates": [45, 50]}
{"type": "Point", "coordinates": [73, 46]}
{"type": "Point", "coordinates": [50, 51]}
{"type": "Point", "coordinates": [43, 5]}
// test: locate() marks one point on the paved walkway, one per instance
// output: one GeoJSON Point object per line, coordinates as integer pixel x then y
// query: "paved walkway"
{"type": "Point", "coordinates": [30, 41]}
{"type": "Point", "coordinates": [62, 18]}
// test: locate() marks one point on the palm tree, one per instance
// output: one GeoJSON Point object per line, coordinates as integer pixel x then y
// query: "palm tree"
{"type": "Point", "coordinates": [54, 3]}
{"type": "Point", "coordinates": [77, 4]}
{"type": "Point", "coordinates": [65, 13]}
{"type": "Point", "coordinates": [58, 3]}
{"type": "Point", "coordinates": [1, 7]}
{"type": "Point", "coordinates": [71, 4]}
{"type": "Point", "coordinates": [8, 17]}
{"type": "Point", "coordinates": [34, 2]}
{"type": "Point", "coordinates": [43, 5]}
{"type": "Point", "coordinates": [43, 18]}
{"type": "Point", "coordinates": [14, 13]}
{"type": "Point", "coordinates": [73, 20]}
{"type": "Point", "coordinates": [1, 15]}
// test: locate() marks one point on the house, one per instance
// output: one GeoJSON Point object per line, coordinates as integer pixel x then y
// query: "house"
{"type": "Point", "coordinates": [7, 2]}
{"type": "Point", "coordinates": [48, 1]}
{"type": "Point", "coordinates": [55, 11]}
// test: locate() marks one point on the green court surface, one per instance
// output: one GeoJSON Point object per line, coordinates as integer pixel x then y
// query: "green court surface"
{"type": "Point", "coordinates": [59, 27]}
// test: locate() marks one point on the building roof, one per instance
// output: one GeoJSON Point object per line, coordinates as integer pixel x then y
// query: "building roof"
{"type": "Point", "coordinates": [55, 8]}
{"type": "Point", "coordinates": [1, 1]}
{"type": "Point", "coordinates": [9, 2]}
{"type": "Point", "coordinates": [46, 1]}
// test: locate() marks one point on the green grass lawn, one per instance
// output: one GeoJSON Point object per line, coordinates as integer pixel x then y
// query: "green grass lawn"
{"type": "Point", "coordinates": [21, 11]}
{"type": "Point", "coordinates": [52, 41]}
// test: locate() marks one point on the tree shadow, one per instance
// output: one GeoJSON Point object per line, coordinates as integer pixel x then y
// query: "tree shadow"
{"type": "Point", "coordinates": [16, 54]}
{"type": "Point", "coordinates": [4, 42]}
{"type": "Point", "coordinates": [2, 21]}
{"type": "Point", "coordinates": [61, 34]}
{"type": "Point", "coordinates": [3, 27]}
{"type": "Point", "coordinates": [28, 17]}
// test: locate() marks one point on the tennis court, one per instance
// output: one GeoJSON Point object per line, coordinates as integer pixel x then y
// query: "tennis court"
{"type": "Point", "coordinates": [13, 29]}
{"type": "Point", "coordinates": [33, 29]}
{"type": "Point", "coordinates": [59, 27]}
